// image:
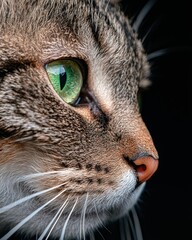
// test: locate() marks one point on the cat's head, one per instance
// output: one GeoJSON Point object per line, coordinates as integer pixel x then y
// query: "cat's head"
{"type": "Point", "coordinates": [72, 140]}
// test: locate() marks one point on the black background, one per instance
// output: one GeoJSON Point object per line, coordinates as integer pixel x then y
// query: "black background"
{"type": "Point", "coordinates": [166, 209]}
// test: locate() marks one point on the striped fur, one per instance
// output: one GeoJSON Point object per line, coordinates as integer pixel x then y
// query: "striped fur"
{"type": "Point", "coordinates": [76, 159]}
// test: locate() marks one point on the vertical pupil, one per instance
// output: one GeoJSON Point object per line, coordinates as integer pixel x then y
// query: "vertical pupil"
{"type": "Point", "coordinates": [63, 78]}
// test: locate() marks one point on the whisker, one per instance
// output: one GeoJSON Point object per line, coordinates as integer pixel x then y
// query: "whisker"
{"type": "Point", "coordinates": [143, 13]}
{"type": "Point", "coordinates": [125, 227]}
{"type": "Point", "coordinates": [122, 229]}
{"type": "Point", "coordinates": [67, 220]}
{"type": "Point", "coordinates": [23, 139]}
{"type": "Point", "coordinates": [56, 217]}
{"type": "Point", "coordinates": [25, 220]}
{"type": "Point", "coordinates": [137, 225]}
{"type": "Point", "coordinates": [65, 204]}
{"type": "Point", "coordinates": [107, 5]}
{"type": "Point", "coordinates": [100, 234]}
{"type": "Point", "coordinates": [165, 51]}
{"type": "Point", "coordinates": [102, 224]}
{"type": "Point", "coordinates": [150, 30]}
{"type": "Point", "coordinates": [91, 236]}
{"type": "Point", "coordinates": [82, 217]}
{"type": "Point", "coordinates": [22, 200]}
{"type": "Point", "coordinates": [158, 53]}
{"type": "Point", "coordinates": [42, 174]}
{"type": "Point", "coordinates": [131, 225]}
{"type": "Point", "coordinates": [84, 212]}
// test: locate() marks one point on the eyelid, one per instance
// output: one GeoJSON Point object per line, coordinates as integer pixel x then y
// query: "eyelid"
{"type": "Point", "coordinates": [81, 62]}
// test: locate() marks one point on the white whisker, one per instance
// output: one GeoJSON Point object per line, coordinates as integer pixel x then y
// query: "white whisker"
{"type": "Point", "coordinates": [102, 224]}
{"type": "Point", "coordinates": [48, 174]}
{"type": "Point", "coordinates": [100, 234]}
{"type": "Point", "coordinates": [64, 206]}
{"type": "Point", "coordinates": [158, 53]}
{"type": "Point", "coordinates": [82, 216]}
{"type": "Point", "coordinates": [122, 229]}
{"type": "Point", "coordinates": [25, 220]}
{"type": "Point", "coordinates": [137, 225]}
{"type": "Point", "coordinates": [171, 50]}
{"type": "Point", "coordinates": [22, 200]}
{"type": "Point", "coordinates": [131, 224]}
{"type": "Point", "coordinates": [84, 212]}
{"type": "Point", "coordinates": [125, 229]}
{"type": "Point", "coordinates": [91, 236]}
{"type": "Point", "coordinates": [150, 30]}
{"type": "Point", "coordinates": [67, 220]}
{"type": "Point", "coordinates": [23, 139]}
{"type": "Point", "coordinates": [143, 13]}
{"type": "Point", "coordinates": [56, 217]}
{"type": "Point", "coordinates": [107, 5]}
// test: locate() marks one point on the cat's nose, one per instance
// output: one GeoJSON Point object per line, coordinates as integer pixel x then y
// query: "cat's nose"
{"type": "Point", "coordinates": [145, 167]}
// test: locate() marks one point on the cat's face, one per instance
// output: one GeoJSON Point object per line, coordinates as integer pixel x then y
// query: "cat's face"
{"type": "Point", "coordinates": [81, 153]}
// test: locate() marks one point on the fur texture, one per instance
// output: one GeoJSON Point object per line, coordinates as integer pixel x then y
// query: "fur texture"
{"type": "Point", "coordinates": [82, 154]}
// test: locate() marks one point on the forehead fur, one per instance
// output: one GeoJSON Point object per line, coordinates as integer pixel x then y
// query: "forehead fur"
{"type": "Point", "coordinates": [83, 18]}
{"type": "Point", "coordinates": [27, 18]}
{"type": "Point", "coordinates": [103, 34]}
{"type": "Point", "coordinates": [12, 11]}
{"type": "Point", "coordinates": [100, 20]}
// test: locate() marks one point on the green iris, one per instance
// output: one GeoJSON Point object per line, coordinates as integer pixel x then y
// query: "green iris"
{"type": "Point", "coordinates": [66, 78]}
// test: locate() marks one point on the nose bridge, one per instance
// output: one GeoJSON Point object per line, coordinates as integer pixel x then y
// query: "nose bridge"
{"type": "Point", "coordinates": [137, 148]}
{"type": "Point", "coordinates": [136, 140]}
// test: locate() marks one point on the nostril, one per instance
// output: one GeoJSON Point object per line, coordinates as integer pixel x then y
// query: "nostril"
{"type": "Point", "coordinates": [145, 167]}
{"type": "Point", "coordinates": [140, 168]}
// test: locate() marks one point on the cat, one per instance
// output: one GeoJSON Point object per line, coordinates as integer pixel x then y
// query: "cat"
{"type": "Point", "coordinates": [74, 150]}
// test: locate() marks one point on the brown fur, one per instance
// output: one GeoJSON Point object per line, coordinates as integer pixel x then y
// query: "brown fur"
{"type": "Point", "coordinates": [39, 132]}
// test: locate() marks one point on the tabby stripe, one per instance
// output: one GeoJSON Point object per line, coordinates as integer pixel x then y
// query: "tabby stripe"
{"type": "Point", "coordinates": [6, 134]}
{"type": "Point", "coordinates": [95, 29]}
{"type": "Point", "coordinates": [10, 66]}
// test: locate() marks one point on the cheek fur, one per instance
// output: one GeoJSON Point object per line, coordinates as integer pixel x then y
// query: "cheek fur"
{"type": "Point", "coordinates": [27, 171]}
{"type": "Point", "coordinates": [44, 170]}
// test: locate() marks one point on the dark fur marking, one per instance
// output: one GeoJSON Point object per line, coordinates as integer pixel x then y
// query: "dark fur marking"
{"type": "Point", "coordinates": [106, 170]}
{"type": "Point", "coordinates": [79, 166]}
{"type": "Point", "coordinates": [89, 166]}
{"type": "Point", "coordinates": [79, 181]}
{"type": "Point", "coordinates": [65, 165]}
{"type": "Point", "coordinates": [98, 168]}
{"type": "Point", "coordinates": [6, 133]}
{"type": "Point", "coordinates": [111, 182]}
{"type": "Point", "coordinates": [99, 181]}
{"type": "Point", "coordinates": [90, 180]}
{"type": "Point", "coordinates": [10, 66]}
{"type": "Point", "coordinates": [118, 137]}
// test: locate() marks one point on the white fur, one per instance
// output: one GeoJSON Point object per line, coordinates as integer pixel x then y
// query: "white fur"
{"type": "Point", "coordinates": [111, 204]}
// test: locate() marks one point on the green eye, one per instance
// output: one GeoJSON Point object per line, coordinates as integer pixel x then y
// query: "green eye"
{"type": "Point", "coordinates": [66, 78]}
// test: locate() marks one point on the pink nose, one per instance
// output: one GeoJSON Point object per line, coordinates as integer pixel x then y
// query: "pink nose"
{"type": "Point", "coordinates": [145, 167]}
